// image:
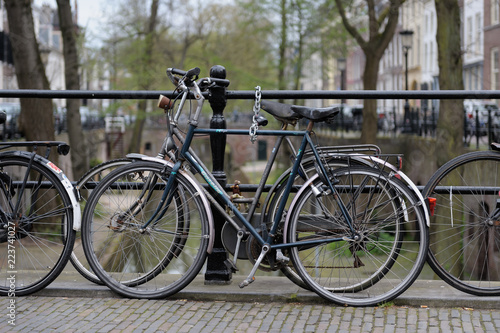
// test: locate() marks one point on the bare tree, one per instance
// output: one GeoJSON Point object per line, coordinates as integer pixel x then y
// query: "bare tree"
{"type": "Point", "coordinates": [36, 120]}
{"type": "Point", "coordinates": [381, 28]}
{"type": "Point", "coordinates": [79, 151]}
{"type": "Point", "coordinates": [145, 83]}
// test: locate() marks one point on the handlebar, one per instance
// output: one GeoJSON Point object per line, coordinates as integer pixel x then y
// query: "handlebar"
{"type": "Point", "coordinates": [177, 75]}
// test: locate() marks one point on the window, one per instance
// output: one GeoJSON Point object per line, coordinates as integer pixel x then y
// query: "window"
{"type": "Point", "coordinates": [495, 64]}
{"type": "Point", "coordinates": [468, 43]}
{"type": "Point", "coordinates": [477, 40]}
{"type": "Point", "coordinates": [495, 11]}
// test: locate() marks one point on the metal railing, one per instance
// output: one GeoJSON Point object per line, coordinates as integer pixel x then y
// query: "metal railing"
{"type": "Point", "coordinates": [217, 272]}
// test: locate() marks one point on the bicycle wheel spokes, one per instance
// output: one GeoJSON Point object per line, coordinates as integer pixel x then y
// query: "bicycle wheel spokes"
{"type": "Point", "coordinates": [137, 261]}
{"type": "Point", "coordinates": [465, 233]}
{"type": "Point", "coordinates": [86, 185]}
{"type": "Point", "coordinates": [376, 262]}
{"type": "Point", "coordinates": [43, 228]}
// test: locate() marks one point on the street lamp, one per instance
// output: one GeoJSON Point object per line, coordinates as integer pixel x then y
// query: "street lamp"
{"type": "Point", "coordinates": [341, 64]}
{"type": "Point", "coordinates": [406, 41]}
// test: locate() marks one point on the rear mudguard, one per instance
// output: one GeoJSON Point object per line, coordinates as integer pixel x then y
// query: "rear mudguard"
{"type": "Point", "coordinates": [68, 187]}
{"type": "Point", "coordinates": [316, 176]}
{"type": "Point", "coordinates": [194, 182]}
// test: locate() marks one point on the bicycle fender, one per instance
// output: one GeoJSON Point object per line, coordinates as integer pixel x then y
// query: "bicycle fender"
{"type": "Point", "coordinates": [77, 214]}
{"type": "Point", "coordinates": [196, 184]}
{"type": "Point", "coordinates": [316, 176]}
{"type": "Point", "coordinates": [408, 181]}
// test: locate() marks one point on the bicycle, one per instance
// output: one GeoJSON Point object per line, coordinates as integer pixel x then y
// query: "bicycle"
{"type": "Point", "coordinates": [465, 231]}
{"type": "Point", "coordinates": [147, 227]}
{"type": "Point", "coordinates": [39, 215]}
{"type": "Point", "coordinates": [337, 156]}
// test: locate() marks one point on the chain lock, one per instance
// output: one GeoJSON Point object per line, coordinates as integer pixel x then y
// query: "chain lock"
{"type": "Point", "coordinates": [256, 108]}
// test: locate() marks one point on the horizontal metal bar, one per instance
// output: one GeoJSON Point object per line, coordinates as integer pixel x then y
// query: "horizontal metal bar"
{"type": "Point", "coordinates": [266, 94]}
{"type": "Point", "coordinates": [490, 190]}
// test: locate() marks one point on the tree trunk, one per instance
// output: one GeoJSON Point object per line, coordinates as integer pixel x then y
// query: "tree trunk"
{"type": "Point", "coordinates": [135, 144]}
{"type": "Point", "coordinates": [370, 76]}
{"type": "Point", "coordinates": [449, 142]}
{"type": "Point", "coordinates": [283, 45]}
{"type": "Point", "coordinates": [36, 119]}
{"type": "Point", "coordinates": [79, 150]}
{"type": "Point", "coordinates": [450, 136]}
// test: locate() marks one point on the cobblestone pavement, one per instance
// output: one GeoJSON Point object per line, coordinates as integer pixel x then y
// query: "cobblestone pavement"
{"type": "Point", "coordinates": [61, 314]}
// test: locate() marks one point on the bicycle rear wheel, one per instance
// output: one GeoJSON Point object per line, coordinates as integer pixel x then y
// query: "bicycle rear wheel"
{"type": "Point", "coordinates": [388, 250]}
{"type": "Point", "coordinates": [33, 255]}
{"type": "Point", "coordinates": [152, 262]}
{"type": "Point", "coordinates": [85, 186]}
{"type": "Point", "coordinates": [465, 230]}
{"type": "Point", "coordinates": [275, 196]}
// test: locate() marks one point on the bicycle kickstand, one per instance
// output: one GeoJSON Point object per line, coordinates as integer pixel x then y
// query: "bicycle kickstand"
{"type": "Point", "coordinates": [232, 264]}
{"type": "Point", "coordinates": [251, 276]}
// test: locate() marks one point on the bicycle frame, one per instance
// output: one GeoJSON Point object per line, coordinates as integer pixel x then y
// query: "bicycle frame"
{"type": "Point", "coordinates": [220, 194]}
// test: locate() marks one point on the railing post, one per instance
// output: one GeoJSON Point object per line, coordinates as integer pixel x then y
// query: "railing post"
{"type": "Point", "coordinates": [217, 272]}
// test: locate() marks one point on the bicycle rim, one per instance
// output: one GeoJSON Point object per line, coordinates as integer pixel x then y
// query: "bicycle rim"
{"type": "Point", "coordinates": [154, 262]}
{"type": "Point", "coordinates": [465, 232]}
{"type": "Point", "coordinates": [44, 227]}
{"type": "Point", "coordinates": [388, 253]}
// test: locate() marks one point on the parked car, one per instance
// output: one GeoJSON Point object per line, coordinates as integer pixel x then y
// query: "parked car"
{"type": "Point", "coordinates": [343, 120]}
{"type": "Point", "coordinates": [385, 118]}
{"type": "Point", "coordinates": [60, 120]}
{"type": "Point", "coordinates": [10, 129]}
{"type": "Point", "coordinates": [90, 118]}
{"type": "Point", "coordinates": [476, 116]}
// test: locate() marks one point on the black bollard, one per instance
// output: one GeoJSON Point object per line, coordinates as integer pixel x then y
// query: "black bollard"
{"type": "Point", "coordinates": [217, 272]}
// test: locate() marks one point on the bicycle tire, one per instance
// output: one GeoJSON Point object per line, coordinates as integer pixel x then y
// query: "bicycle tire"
{"type": "Point", "coordinates": [464, 234]}
{"type": "Point", "coordinates": [84, 186]}
{"type": "Point", "coordinates": [155, 262]}
{"type": "Point", "coordinates": [392, 239]}
{"type": "Point", "coordinates": [44, 238]}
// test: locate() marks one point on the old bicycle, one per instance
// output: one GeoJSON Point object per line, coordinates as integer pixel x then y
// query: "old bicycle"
{"type": "Point", "coordinates": [356, 235]}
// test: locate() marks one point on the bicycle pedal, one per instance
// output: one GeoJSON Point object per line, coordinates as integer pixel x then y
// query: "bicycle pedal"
{"type": "Point", "coordinates": [280, 257]}
{"type": "Point", "coordinates": [231, 266]}
{"type": "Point", "coordinates": [246, 282]}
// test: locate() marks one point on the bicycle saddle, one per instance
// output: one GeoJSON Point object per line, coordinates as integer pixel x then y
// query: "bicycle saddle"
{"type": "Point", "coordinates": [280, 111]}
{"type": "Point", "coordinates": [291, 113]}
{"type": "Point", "coordinates": [316, 114]}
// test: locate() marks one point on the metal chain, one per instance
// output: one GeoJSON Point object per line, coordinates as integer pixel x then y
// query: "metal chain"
{"type": "Point", "coordinates": [256, 108]}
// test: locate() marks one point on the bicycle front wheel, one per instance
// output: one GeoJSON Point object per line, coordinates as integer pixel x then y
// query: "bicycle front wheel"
{"type": "Point", "coordinates": [37, 233]}
{"type": "Point", "coordinates": [465, 230]}
{"type": "Point", "coordinates": [376, 261]}
{"type": "Point", "coordinates": [136, 259]}
{"type": "Point", "coordinates": [85, 185]}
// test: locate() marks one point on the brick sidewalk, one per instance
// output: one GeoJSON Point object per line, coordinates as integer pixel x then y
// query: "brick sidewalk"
{"type": "Point", "coordinates": [62, 314]}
